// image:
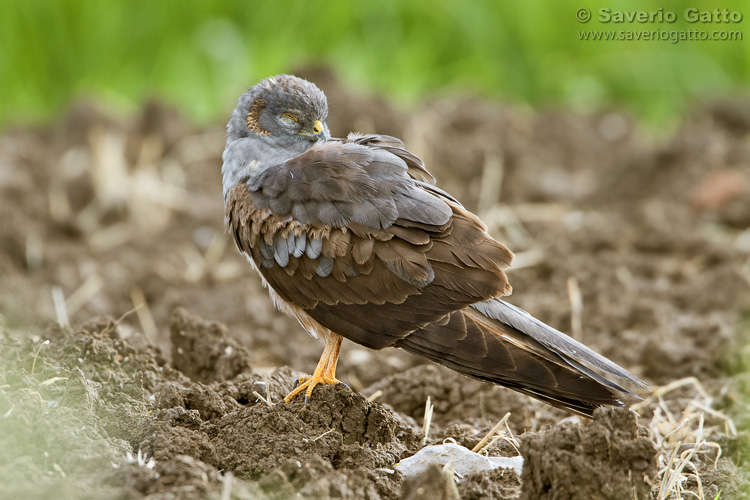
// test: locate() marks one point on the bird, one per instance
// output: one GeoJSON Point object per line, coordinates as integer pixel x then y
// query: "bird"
{"type": "Point", "coordinates": [353, 238]}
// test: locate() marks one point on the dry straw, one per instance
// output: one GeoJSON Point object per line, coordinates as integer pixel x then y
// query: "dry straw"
{"type": "Point", "coordinates": [684, 440]}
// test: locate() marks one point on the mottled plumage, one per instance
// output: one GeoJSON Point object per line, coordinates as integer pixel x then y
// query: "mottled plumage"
{"type": "Point", "coordinates": [353, 239]}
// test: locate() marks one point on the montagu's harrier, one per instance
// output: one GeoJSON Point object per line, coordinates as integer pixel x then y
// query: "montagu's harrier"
{"type": "Point", "coordinates": [353, 239]}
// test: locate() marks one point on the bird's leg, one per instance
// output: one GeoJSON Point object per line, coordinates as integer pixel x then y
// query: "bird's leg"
{"type": "Point", "coordinates": [325, 372]}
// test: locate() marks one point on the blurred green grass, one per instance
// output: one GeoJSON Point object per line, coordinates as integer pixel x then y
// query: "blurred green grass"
{"type": "Point", "coordinates": [200, 55]}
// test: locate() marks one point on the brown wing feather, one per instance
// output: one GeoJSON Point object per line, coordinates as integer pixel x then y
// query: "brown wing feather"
{"type": "Point", "coordinates": [394, 267]}
{"type": "Point", "coordinates": [475, 345]}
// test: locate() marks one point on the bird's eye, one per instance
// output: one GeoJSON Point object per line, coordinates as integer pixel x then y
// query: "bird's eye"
{"type": "Point", "coordinates": [290, 116]}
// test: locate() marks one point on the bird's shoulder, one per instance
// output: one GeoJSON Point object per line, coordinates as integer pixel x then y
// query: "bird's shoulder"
{"type": "Point", "coordinates": [338, 183]}
{"type": "Point", "coordinates": [415, 166]}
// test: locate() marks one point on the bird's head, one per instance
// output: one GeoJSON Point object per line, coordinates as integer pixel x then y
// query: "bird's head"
{"type": "Point", "coordinates": [285, 110]}
{"type": "Point", "coordinates": [278, 119]}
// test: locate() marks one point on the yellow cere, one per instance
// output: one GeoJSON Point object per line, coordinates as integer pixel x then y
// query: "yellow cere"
{"type": "Point", "coordinates": [318, 127]}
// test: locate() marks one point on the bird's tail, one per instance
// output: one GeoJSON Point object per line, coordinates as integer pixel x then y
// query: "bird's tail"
{"type": "Point", "coordinates": [500, 343]}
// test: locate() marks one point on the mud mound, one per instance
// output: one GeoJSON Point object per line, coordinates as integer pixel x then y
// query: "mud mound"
{"type": "Point", "coordinates": [90, 406]}
{"type": "Point", "coordinates": [234, 427]}
{"type": "Point", "coordinates": [611, 458]}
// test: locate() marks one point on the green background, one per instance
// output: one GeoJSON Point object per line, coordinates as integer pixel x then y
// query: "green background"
{"type": "Point", "coordinates": [201, 55]}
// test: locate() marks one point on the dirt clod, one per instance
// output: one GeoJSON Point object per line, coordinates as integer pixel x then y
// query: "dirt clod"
{"type": "Point", "coordinates": [435, 483]}
{"type": "Point", "coordinates": [204, 351]}
{"type": "Point", "coordinates": [611, 458]}
{"type": "Point", "coordinates": [502, 484]}
{"type": "Point", "coordinates": [337, 425]}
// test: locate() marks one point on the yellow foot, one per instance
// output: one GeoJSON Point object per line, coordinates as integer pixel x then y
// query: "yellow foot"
{"type": "Point", "coordinates": [307, 384]}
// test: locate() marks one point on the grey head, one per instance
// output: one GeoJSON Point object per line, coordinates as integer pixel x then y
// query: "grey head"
{"type": "Point", "coordinates": [278, 119]}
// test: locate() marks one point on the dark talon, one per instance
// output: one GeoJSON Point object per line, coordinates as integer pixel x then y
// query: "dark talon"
{"type": "Point", "coordinates": [307, 398]}
{"type": "Point", "coordinates": [345, 385]}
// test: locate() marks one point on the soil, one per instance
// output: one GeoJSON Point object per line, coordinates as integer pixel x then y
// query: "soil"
{"type": "Point", "coordinates": [614, 454]}
{"type": "Point", "coordinates": [649, 235]}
